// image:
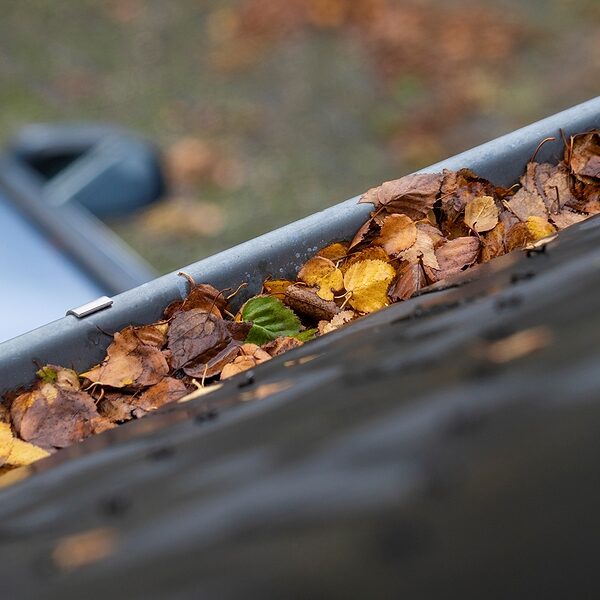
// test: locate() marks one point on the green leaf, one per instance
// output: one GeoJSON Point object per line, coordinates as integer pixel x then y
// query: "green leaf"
{"type": "Point", "coordinates": [47, 374]}
{"type": "Point", "coordinates": [270, 319]}
{"type": "Point", "coordinates": [306, 335]}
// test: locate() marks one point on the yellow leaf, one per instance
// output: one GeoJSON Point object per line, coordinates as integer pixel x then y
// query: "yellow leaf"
{"type": "Point", "coordinates": [6, 442]}
{"type": "Point", "coordinates": [398, 233]}
{"type": "Point", "coordinates": [369, 253]}
{"type": "Point", "coordinates": [334, 251]}
{"type": "Point", "coordinates": [15, 452]}
{"type": "Point", "coordinates": [368, 282]}
{"type": "Point", "coordinates": [481, 214]}
{"type": "Point", "coordinates": [539, 228]}
{"type": "Point", "coordinates": [324, 274]}
{"type": "Point", "coordinates": [24, 453]}
{"type": "Point", "coordinates": [276, 288]}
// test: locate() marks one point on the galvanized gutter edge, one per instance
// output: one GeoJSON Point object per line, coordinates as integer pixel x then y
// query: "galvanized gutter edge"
{"type": "Point", "coordinates": [80, 343]}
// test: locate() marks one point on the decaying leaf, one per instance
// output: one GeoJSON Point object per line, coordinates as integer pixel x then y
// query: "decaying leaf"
{"type": "Point", "coordinates": [280, 345]}
{"type": "Point", "coordinates": [436, 236]}
{"type": "Point", "coordinates": [566, 218]}
{"type": "Point", "coordinates": [164, 392]}
{"type": "Point", "coordinates": [517, 237]}
{"type": "Point", "coordinates": [252, 355]}
{"type": "Point", "coordinates": [201, 296]}
{"type": "Point", "coordinates": [481, 214]}
{"type": "Point", "coordinates": [453, 257]}
{"type": "Point", "coordinates": [339, 320]}
{"type": "Point", "coordinates": [367, 283]}
{"type": "Point", "coordinates": [116, 407]}
{"type": "Point", "coordinates": [365, 233]}
{"type": "Point", "coordinates": [457, 190]}
{"type": "Point", "coordinates": [194, 332]}
{"type": "Point", "coordinates": [213, 361]}
{"type": "Point", "coordinates": [398, 233]}
{"type": "Point", "coordinates": [413, 195]}
{"type": "Point", "coordinates": [422, 251]}
{"type": "Point", "coordinates": [51, 416]}
{"type": "Point", "coordinates": [525, 204]}
{"type": "Point", "coordinates": [493, 243]}
{"type": "Point", "coordinates": [270, 319]}
{"type": "Point", "coordinates": [583, 156]}
{"type": "Point", "coordinates": [304, 301]}
{"type": "Point", "coordinates": [410, 279]}
{"type": "Point", "coordinates": [134, 359]}
{"type": "Point", "coordinates": [322, 273]}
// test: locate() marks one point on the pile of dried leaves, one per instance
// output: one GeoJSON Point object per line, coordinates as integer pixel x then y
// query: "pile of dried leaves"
{"type": "Point", "coordinates": [424, 228]}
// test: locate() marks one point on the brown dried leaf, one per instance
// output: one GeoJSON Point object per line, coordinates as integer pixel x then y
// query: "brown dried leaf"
{"type": "Point", "coordinates": [588, 198]}
{"type": "Point", "coordinates": [413, 195]}
{"type": "Point", "coordinates": [202, 296]}
{"type": "Point", "coordinates": [459, 188]}
{"type": "Point", "coordinates": [209, 366]}
{"type": "Point", "coordinates": [342, 318]}
{"type": "Point", "coordinates": [53, 417]}
{"type": "Point", "coordinates": [525, 204]}
{"type": "Point", "coordinates": [368, 282]}
{"type": "Point", "coordinates": [552, 182]}
{"type": "Point", "coordinates": [543, 183]}
{"type": "Point", "coordinates": [280, 345]}
{"type": "Point", "coordinates": [238, 330]}
{"type": "Point", "coordinates": [481, 214]}
{"type": "Point", "coordinates": [322, 273]}
{"type": "Point", "coordinates": [116, 407]}
{"type": "Point", "coordinates": [305, 301]}
{"type": "Point", "coordinates": [194, 332]}
{"type": "Point", "coordinates": [367, 231]}
{"type": "Point", "coordinates": [433, 232]}
{"type": "Point", "coordinates": [239, 365]}
{"type": "Point", "coordinates": [256, 352]}
{"type": "Point", "coordinates": [583, 156]}
{"type": "Point", "coordinates": [453, 257]}
{"type": "Point", "coordinates": [398, 232]}
{"type": "Point", "coordinates": [565, 218]}
{"type": "Point", "coordinates": [251, 356]}
{"type": "Point", "coordinates": [422, 251]}
{"type": "Point", "coordinates": [134, 359]}
{"type": "Point", "coordinates": [493, 243]}
{"type": "Point", "coordinates": [517, 237]}
{"type": "Point", "coordinates": [410, 279]}
{"type": "Point", "coordinates": [166, 391]}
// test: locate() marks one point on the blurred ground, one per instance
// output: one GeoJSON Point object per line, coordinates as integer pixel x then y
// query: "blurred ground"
{"type": "Point", "coordinates": [268, 110]}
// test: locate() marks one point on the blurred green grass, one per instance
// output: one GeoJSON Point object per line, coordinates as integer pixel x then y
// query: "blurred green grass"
{"type": "Point", "coordinates": [306, 123]}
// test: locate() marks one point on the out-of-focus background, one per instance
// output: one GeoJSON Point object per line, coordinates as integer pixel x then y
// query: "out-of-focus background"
{"type": "Point", "coordinates": [268, 110]}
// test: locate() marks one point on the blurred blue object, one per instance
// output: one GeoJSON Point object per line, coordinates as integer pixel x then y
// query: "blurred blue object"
{"type": "Point", "coordinates": [39, 282]}
{"type": "Point", "coordinates": [56, 181]}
